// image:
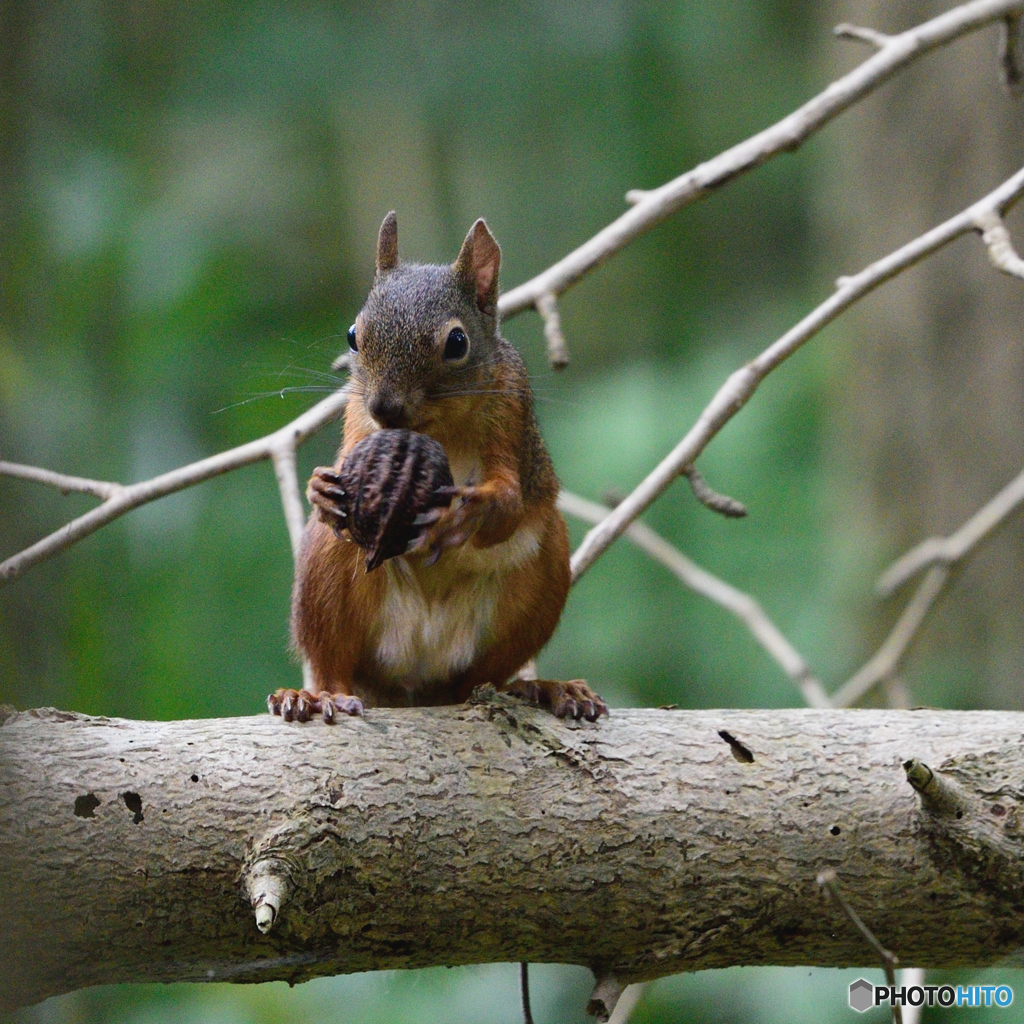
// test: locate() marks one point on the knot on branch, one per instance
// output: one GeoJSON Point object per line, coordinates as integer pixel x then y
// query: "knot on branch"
{"type": "Point", "coordinates": [269, 882]}
{"type": "Point", "coordinates": [972, 814]}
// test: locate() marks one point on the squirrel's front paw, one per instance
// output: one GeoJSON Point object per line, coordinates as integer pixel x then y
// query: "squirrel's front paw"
{"type": "Point", "coordinates": [572, 699]}
{"type": "Point", "coordinates": [444, 528]}
{"type": "Point", "coordinates": [301, 705]}
{"type": "Point", "coordinates": [327, 496]}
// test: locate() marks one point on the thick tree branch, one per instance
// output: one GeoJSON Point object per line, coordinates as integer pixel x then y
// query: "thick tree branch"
{"type": "Point", "coordinates": [641, 846]}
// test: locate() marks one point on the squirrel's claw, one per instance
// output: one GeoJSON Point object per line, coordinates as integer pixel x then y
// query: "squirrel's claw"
{"type": "Point", "coordinates": [572, 699]}
{"type": "Point", "coordinates": [301, 705]}
{"type": "Point", "coordinates": [449, 527]}
{"type": "Point", "coordinates": [326, 495]}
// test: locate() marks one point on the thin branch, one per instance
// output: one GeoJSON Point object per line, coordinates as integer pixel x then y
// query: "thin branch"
{"type": "Point", "coordinates": [125, 498]}
{"type": "Point", "coordinates": [949, 550]}
{"type": "Point", "coordinates": [739, 387]}
{"type": "Point", "coordinates": [742, 605]}
{"type": "Point", "coordinates": [879, 40]}
{"type": "Point", "coordinates": [652, 207]}
{"type": "Point", "coordinates": [885, 662]}
{"type": "Point", "coordinates": [710, 498]}
{"type": "Point", "coordinates": [558, 351]}
{"type": "Point", "coordinates": [909, 978]}
{"type": "Point", "coordinates": [631, 995]}
{"type": "Point", "coordinates": [1009, 56]}
{"type": "Point", "coordinates": [65, 484]}
{"type": "Point", "coordinates": [829, 881]}
{"type": "Point", "coordinates": [1000, 247]}
{"type": "Point", "coordinates": [524, 991]}
{"type": "Point", "coordinates": [283, 458]}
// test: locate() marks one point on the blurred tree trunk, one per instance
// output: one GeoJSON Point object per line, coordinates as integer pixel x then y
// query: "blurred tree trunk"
{"type": "Point", "coordinates": [932, 420]}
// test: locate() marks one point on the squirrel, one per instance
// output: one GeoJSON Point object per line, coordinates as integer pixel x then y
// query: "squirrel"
{"type": "Point", "coordinates": [481, 588]}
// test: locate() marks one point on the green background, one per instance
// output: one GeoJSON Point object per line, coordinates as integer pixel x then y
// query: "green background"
{"type": "Point", "coordinates": [189, 196]}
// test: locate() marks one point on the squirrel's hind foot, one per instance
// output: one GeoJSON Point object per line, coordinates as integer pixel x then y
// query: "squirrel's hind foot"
{"type": "Point", "coordinates": [301, 705]}
{"type": "Point", "coordinates": [572, 699]}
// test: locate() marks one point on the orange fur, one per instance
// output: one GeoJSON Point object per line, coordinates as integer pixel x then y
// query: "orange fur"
{"type": "Point", "coordinates": [339, 606]}
{"type": "Point", "coordinates": [412, 631]}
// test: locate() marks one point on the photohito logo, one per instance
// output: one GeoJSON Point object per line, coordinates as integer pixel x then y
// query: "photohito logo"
{"type": "Point", "coordinates": [864, 995]}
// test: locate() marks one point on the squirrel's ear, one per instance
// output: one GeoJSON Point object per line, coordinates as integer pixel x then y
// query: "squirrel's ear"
{"type": "Point", "coordinates": [387, 244]}
{"type": "Point", "coordinates": [477, 265]}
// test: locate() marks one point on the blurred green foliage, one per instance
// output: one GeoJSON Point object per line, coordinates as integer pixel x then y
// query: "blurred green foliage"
{"type": "Point", "coordinates": [189, 196]}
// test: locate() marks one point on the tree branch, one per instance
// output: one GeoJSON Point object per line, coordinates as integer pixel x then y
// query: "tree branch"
{"type": "Point", "coordinates": [144, 851]}
{"type": "Point", "coordinates": [885, 662]}
{"type": "Point", "coordinates": [123, 498]}
{"type": "Point", "coordinates": [558, 351]}
{"type": "Point", "coordinates": [742, 605]}
{"type": "Point", "coordinates": [1009, 55]}
{"type": "Point", "coordinates": [65, 484]}
{"type": "Point", "coordinates": [542, 291]}
{"type": "Point", "coordinates": [652, 207]}
{"type": "Point", "coordinates": [950, 550]}
{"type": "Point", "coordinates": [879, 40]}
{"type": "Point", "coordinates": [737, 390]}
{"type": "Point", "coordinates": [828, 880]}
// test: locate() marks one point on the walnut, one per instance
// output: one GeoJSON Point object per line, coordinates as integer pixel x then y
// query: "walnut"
{"type": "Point", "coordinates": [389, 479]}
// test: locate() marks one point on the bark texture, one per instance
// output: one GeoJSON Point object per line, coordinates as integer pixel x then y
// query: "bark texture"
{"type": "Point", "coordinates": [644, 845]}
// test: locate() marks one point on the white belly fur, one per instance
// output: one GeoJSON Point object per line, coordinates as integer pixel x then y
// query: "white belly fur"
{"type": "Point", "coordinates": [434, 620]}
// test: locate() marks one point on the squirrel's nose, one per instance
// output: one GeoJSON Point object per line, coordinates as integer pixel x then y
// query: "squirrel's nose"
{"type": "Point", "coordinates": [386, 409]}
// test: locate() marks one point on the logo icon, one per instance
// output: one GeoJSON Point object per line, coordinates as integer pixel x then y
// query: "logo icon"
{"type": "Point", "coordinates": [861, 995]}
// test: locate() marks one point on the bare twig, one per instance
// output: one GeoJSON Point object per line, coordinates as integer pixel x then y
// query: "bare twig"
{"type": "Point", "coordinates": [739, 387]}
{"type": "Point", "coordinates": [1009, 55]}
{"type": "Point", "coordinates": [125, 498]}
{"type": "Point", "coordinates": [651, 207]}
{"type": "Point", "coordinates": [878, 40]}
{"type": "Point", "coordinates": [64, 484]}
{"type": "Point", "coordinates": [524, 991]}
{"type": "Point", "coordinates": [885, 662]}
{"type": "Point", "coordinates": [742, 605]}
{"type": "Point", "coordinates": [910, 977]}
{"type": "Point", "coordinates": [829, 881]}
{"type": "Point", "coordinates": [631, 995]}
{"type": "Point", "coordinates": [706, 495]}
{"type": "Point", "coordinates": [558, 351]}
{"type": "Point", "coordinates": [949, 550]}
{"type": "Point", "coordinates": [1000, 247]}
{"type": "Point", "coordinates": [283, 458]}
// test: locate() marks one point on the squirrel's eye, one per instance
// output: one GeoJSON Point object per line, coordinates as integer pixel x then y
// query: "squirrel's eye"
{"type": "Point", "coordinates": [457, 344]}
{"type": "Point", "coordinates": [352, 338]}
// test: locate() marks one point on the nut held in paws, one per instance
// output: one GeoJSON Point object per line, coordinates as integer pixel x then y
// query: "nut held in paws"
{"type": "Point", "coordinates": [391, 477]}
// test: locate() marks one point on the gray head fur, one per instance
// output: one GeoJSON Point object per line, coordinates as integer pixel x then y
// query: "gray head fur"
{"type": "Point", "coordinates": [407, 317]}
